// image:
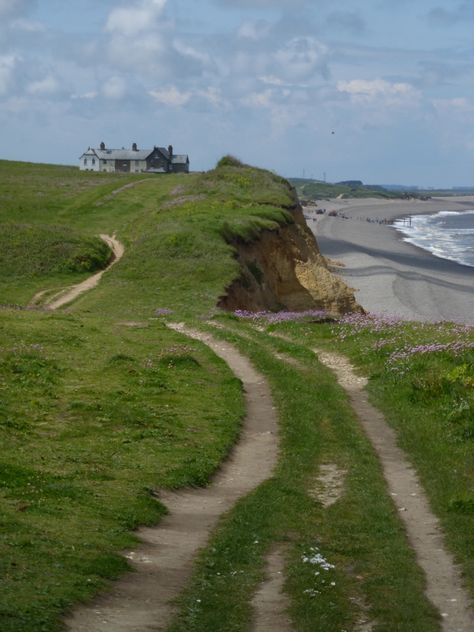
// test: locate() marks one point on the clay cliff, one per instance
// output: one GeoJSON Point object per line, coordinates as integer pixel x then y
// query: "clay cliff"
{"type": "Point", "coordinates": [283, 270]}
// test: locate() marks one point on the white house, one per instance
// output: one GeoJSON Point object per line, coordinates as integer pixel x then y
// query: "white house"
{"type": "Point", "coordinates": [134, 160]}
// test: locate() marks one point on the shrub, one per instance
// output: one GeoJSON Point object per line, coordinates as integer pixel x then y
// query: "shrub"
{"type": "Point", "coordinates": [229, 161]}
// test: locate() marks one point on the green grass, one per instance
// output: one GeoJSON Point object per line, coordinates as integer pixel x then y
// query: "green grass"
{"type": "Point", "coordinates": [55, 256]}
{"type": "Point", "coordinates": [429, 399]}
{"type": "Point", "coordinates": [360, 535]}
{"type": "Point", "coordinates": [87, 436]}
{"type": "Point", "coordinates": [100, 405]}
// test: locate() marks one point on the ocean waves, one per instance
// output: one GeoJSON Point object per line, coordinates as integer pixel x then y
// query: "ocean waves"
{"type": "Point", "coordinates": [447, 234]}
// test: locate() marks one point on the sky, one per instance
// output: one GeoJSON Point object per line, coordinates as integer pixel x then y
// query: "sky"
{"type": "Point", "coordinates": [376, 90]}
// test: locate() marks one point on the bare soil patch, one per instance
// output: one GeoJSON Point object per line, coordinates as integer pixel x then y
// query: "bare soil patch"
{"type": "Point", "coordinates": [143, 600]}
{"type": "Point", "coordinates": [329, 485]}
{"type": "Point", "coordinates": [183, 199]}
{"type": "Point", "coordinates": [270, 602]}
{"type": "Point", "coordinates": [115, 192]}
{"type": "Point", "coordinates": [443, 578]}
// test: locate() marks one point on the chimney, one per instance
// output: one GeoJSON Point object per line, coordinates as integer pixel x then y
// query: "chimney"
{"type": "Point", "coordinates": [102, 146]}
{"type": "Point", "coordinates": [170, 151]}
{"type": "Point", "coordinates": [134, 147]}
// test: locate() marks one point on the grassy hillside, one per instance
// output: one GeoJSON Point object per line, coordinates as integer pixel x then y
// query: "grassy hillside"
{"type": "Point", "coordinates": [101, 405]}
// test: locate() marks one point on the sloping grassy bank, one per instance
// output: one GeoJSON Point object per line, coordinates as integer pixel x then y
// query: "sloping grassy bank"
{"type": "Point", "coordinates": [102, 404]}
{"type": "Point", "coordinates": [56, 255]}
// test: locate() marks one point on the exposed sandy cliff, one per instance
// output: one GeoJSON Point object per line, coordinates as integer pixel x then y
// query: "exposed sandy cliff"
{"type": "Point", "coordinates": [284, 269]}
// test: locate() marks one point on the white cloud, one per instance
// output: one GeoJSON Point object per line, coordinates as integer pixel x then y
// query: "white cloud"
{"type": "Point", "coordinates": [271, 80]}
{"type": "Point", "coordinates": [132, 20]}
{"type": "Point", "coordinates": [142, 55]}
{"type": "Point", "coordinates": [458, 105]}
{"type": "Point", "coordinates": [85, 95]}
{"type": "Point", "coordinates": [365, 91]}
{"type": "Point", "coordinates": [192, 53]}
{"type": "Point", "coordinates": [213, 96]}
{"type": "Point", "coordinates": [171, 96]}
{"type": "Point", "coordinates": [48, 85]}
{"type": "Point", "coordinates": [7, 67]}
{"type": "Point", "coordinates": [114, 88]}
{"type": "Point", "coordinates": [259, 99]}
{"type": "Point", "coordinates": [254, 30]}
{"type": "Point", "coordinates": [29, 26]}
{"type": "Point", "coordinates": [301, 57]}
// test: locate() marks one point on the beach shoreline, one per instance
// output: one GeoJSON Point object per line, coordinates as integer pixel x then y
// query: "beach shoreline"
{"type": "Point", "coordinates": [390, 275]}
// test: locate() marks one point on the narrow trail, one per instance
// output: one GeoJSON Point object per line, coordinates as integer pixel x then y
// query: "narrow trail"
{"type": "Point", "coordinates": [443, 579]}
{"type": "Point", "coordinates": [269, 602]}
{"type": "Point", "coordinates": [69, 294]}
{"type": "Point", "coordinates": [143, 600]}
{"type": "Point", "coordinates": [115, 192]}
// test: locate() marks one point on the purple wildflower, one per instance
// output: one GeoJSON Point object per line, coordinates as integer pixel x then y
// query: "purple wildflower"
{"type": "Point", "coordinates": [281, 317]}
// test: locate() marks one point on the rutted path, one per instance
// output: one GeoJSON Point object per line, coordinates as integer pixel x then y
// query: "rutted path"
{"type": "Point", "coordinates": [443, 580]}
{"type": "Point", "coordinates": [269, 601]}
{"type": "Point", "coordinates": [143, 600]}
{"type": "Point", "coordinates": [69, 294]}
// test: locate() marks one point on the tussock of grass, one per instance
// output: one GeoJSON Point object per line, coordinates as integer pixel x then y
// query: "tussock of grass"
{"type": "Point", "coordinates": [28, 250]}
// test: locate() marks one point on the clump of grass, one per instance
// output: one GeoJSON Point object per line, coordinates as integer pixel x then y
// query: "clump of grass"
{"type": "Point", "coordinates": [28, 250]}
{"type": "Point", "coordinates": [229, 161]}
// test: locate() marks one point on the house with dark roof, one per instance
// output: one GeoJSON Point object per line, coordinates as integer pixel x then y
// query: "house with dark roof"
{"type": "Point", "coordinates": [134, 160]}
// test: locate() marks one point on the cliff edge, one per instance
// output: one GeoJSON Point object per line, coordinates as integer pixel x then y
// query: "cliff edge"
{"type": "Point", "coordinates": [282, 269]}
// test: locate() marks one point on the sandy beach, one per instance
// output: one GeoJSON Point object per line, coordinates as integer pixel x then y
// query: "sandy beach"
{"type": "Point", "coordinates": [389, 275]}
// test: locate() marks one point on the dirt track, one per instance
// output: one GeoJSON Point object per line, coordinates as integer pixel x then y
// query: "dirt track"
{"type": "Point", "coordinates": [69, 294]}
{"type": "Point", "coordinates": [443, 580]}
{"type": "Point", "coordinates": [143, 600]}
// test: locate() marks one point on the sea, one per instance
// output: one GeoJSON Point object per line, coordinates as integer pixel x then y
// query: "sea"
{"type": "Point", "coordinates": [447, 234]}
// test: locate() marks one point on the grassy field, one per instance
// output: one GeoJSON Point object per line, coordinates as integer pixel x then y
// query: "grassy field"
{"type": "Point", "coordinates": [101, 405]}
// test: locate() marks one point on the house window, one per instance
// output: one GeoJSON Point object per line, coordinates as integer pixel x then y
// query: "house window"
{"type": "Point", "coordinates": [136, 163]}
{"type": "Point", "coordinates": [85, 161]}
{"type": "Point", "coordinates": [93, 161]}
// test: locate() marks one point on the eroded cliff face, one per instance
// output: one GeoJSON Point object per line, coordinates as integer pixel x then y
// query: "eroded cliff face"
{"type": "Point", "coordinates": [284, 270]}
